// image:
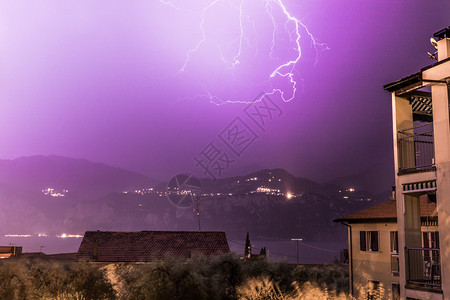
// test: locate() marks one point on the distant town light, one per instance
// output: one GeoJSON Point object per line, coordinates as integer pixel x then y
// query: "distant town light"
{"type": "Point", "coordinates": [18, 235]}
{"type": "Point", "coordinates": [65, 235]}
{"type": "Point", "coordinates": [54, 193]}
{"type": "Point", "coordinates": [251, 179]}
{"type": "Point", "coordinates": [289, 195]}
{"type": "Point", "coordinates": [263, 189]}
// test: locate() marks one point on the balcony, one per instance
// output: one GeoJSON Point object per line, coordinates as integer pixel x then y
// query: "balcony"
{"type": "Point", "coordinates": [416, 149]}
{"type": "Point", "coordinates": [424, 267]}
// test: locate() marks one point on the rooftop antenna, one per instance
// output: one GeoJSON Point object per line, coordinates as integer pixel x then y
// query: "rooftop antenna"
{"type": "Point", "coordinates": [434, 44]}
{"type": "Point", "coordinates": [298, 240]}
{"type": "Point", "coordinates": [184, 190]}
{"type": "Point", "coordinates": [197, 210]}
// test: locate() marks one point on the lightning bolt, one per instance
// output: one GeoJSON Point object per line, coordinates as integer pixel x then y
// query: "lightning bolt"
{"type": "Point", "coordinates": [241, 36]}
{"type": "Point", "coordinates": [202, 40]}
{"type": "Point", "coordinates": [284, 70]}
{"type": "Point", "coordinates": [168, 3]}
{"type": "Point", "coordinates": [290, 65]}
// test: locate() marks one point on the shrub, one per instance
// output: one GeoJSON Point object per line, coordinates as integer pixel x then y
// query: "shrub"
{"type": "Point", "coordinates": [36, 279]}
{"type": "Point", "coordinates": [225, 277]}
{"type": "Point", "coordinates": [332, 277]}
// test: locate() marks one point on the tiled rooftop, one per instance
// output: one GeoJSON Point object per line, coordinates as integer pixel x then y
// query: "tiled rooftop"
{"type": "Point", "coordinates": [387, 212]}
{"type": "Point", "coordinates": [145, 246]}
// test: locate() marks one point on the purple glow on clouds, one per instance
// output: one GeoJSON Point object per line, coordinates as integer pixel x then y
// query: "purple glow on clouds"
{"type": "Point", "coordinates": [101, 79]}
{"type": "Point", "coordinates": [244, 47]}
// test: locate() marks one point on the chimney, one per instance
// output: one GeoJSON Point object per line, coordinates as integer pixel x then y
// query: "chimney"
{"type": "Point", "coordinates": [393, 193]}
{"type": "Point", "coordinates": [443, 43]}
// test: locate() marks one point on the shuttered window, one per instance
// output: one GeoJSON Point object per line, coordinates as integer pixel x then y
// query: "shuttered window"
{"type": "Point", "coordinates": [362, 240]}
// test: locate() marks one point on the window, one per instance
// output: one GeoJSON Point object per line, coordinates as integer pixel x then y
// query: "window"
{"type": "Point", "coordinates": [394, 242]}
{"type": "Point", "coordinates": [372, 240]}
{"type": "Point", "coordinates": [373, 292]}
{"type": "Point", "coordinates": [395, 263]}
{"type": "Point", "coordinates": [368, 241]}
{"type": "Point", "coordinates": [430, 239]}
{"type": "Point", "coordinates": [395, 291]}
{"type": "Point", "coordinates": [362, 240]}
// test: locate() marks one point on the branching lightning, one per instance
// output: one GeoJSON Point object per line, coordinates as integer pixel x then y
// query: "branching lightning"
{"type": "Point", "coordinates": [284, 70]}
{"type": "Point", "coordinates": [203, 39]}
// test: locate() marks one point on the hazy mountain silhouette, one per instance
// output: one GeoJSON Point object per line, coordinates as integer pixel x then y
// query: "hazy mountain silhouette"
{"type": "Point", "coordinates": [80, 176]}
{"type": "Point", "coordinates": [274, 178]}
{"type": "Point", "coordinates": [96, 201]}
{"type": "Point", "coordinates": [373, 180]}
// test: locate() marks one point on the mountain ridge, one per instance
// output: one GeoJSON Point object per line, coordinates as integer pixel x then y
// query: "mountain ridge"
{"type": "Point", "coordinates": [53, 171]}
{"type": "Point", "coordinates": [268, 202]}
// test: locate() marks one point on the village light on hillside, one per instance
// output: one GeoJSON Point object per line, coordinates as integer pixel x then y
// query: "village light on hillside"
{"type": "Point", "coordinates": [18, 235]}
{"type": "Point", "coordinates": [289, 195]}
{"type": "Point", "coordinates": [65, 235]}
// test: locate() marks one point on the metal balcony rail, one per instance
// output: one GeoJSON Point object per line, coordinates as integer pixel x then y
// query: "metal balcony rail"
{"type": "Point", "coordinates": [424, 266]}
{"type": "Point", "coordinates": [416, 149]}
{"type": "Point", "coordinates": [395, 264]}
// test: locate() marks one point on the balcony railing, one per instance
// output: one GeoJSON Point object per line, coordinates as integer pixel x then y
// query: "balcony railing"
{"type": "Point", "coordinates": [395, 264]}
{"type": "Point", "coordinates": [424, 267]}
{"type": "Point", "coordinates": [416, 149]}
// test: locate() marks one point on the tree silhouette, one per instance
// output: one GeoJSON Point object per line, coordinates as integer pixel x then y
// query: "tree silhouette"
{"type": "Point", "coordinates": [248, 247]}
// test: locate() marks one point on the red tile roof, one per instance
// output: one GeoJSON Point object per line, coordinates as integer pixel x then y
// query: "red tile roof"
{"type": "Point", "coordinates": [387, 212]}
{"type": "Point", "coordinates": [145, 246]}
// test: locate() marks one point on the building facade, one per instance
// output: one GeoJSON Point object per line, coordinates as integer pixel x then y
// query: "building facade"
{"type": "Point", "coordinates": [374, 248]}
{"type": "Point", "coordinates": [421, 134]}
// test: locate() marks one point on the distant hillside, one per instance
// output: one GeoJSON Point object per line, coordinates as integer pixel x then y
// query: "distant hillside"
{"type": "Point", "coordinates": [375, 180]}
{"type": "Point", "coordinates": [81, 176]}
{"type": "Point", "coordinates": [274, 179]}
{"type": "Point", "coordinates": [270, 203]}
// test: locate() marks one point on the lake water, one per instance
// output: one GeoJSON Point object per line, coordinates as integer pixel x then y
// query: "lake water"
{"type": "Point", "coordinates": [48, 245]}
{"type": "Point", "coordinates": [286, 250]}
{"type": "Point", "coordinates": [280, 250]}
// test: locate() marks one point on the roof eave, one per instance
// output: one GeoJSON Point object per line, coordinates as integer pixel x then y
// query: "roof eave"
{"type": "Point", "coordinates": [379, 220]}
{"type": "Point", "coordinates": [405, 84]}
{"type": "Point", "coordinates": [411, 82]}
{"type": "Point", "coordinates": [367, 220]}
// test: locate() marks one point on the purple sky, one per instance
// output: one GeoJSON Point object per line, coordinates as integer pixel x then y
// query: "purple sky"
{"type": "Point", "coordinates": [101, 80]}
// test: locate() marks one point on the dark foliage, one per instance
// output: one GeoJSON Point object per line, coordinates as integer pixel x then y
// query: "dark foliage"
{"type": "Point", "coordinates": [35, 279]}
{"type": "Point", "coordinates": [225, 277]}
{"type": "Point", "coordinates": [203, 278]}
